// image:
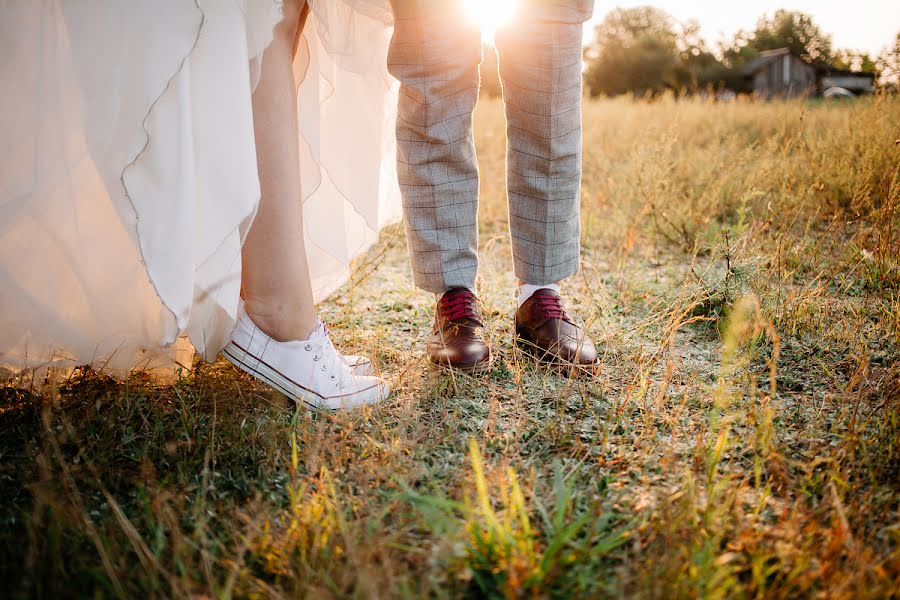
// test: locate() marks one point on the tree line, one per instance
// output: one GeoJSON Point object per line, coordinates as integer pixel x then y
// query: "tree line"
{"type": "Point", "coordinates": [644, 51]}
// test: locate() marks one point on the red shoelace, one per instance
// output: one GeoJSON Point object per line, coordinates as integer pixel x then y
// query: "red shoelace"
{"type": "Point", "coordinates": [551, 307]}
{"type": "Point", "coordinates": [458, 306]}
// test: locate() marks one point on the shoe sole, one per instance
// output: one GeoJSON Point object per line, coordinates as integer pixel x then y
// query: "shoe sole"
{"type": "Point", "coordinates": [270, 376]}
{"type": "Point", "coordinates": [477, 369]}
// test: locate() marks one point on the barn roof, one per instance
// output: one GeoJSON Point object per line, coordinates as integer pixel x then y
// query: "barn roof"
{"type": "Point", "coordinates": [829, 72]}
{"type": "Point", "coordinates": [764, 59]}
{"type": "Point", "coordinates": [767, 57]}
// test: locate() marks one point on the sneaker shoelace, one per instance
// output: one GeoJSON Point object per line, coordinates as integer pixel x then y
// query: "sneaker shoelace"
{"type": "Point", "coordinates": [326, 355]}
{"type": "Point", "coordinates": [551, 307]}
{"type": "Point", "coordinates": [459, 306]}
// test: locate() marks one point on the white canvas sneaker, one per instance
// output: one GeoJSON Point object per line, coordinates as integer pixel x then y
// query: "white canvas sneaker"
{"type": "Point", "coordinates": [360, 365]}
{"type": "Point", "coordinates": [311, 371]}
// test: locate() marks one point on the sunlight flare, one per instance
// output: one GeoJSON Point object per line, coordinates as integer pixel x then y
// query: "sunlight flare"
{"type": "Point", "coordinates": [490, 14]}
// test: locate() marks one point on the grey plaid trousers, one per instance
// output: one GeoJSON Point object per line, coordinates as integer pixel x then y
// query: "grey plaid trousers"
{"type": "Point", "coordinates": [435, 53]}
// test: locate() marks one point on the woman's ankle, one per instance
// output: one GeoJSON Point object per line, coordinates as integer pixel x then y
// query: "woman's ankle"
{"type": "Point", "coordinates": [280, 322]}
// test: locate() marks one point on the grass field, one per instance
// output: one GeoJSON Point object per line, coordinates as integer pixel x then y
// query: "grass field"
{"type": "Point", "coordinates": [742, 280]}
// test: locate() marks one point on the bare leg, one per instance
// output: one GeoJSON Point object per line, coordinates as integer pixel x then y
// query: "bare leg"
{"type": "Point", "coordinates": [275, 284]}
{"type": "Point", "coordinates": [276, 287]}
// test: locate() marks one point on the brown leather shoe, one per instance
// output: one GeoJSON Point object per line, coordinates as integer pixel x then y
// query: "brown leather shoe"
{"type": "Point", "coordinates": [458, 339]}
{"type": "Point", "coordinates": [545, 330]}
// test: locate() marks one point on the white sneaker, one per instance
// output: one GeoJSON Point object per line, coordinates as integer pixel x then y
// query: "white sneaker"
{"type": "Point", "coordinates": [360, 365]}
{"type": "Point", "coordinates": [310, 371]}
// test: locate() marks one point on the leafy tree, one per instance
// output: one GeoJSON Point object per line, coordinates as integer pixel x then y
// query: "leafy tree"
{"type": "Point", "coordinates": [850, 60]}
{"type": "Point", "coordinates": [889, 63]}
{"type": "Point", "coordinates": [634, 50]}
{"type": "Point", "coordinates": [698, 68]}
{"type": "Point", "coordinates": [794, 30]}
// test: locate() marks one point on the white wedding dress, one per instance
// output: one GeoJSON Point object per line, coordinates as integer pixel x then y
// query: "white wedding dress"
{"type": "Point", "coordinates": [128, 167]}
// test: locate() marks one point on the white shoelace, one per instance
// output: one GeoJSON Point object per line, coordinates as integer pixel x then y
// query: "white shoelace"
{"type": "Point", "coordinates": [327, 356]}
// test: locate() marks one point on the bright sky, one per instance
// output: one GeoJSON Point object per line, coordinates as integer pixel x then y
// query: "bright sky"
{"type": "Point", "coordinates": [868, 25]}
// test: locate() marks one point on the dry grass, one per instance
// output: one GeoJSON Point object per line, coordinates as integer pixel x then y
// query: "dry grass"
{"type": "Point", "coordinates": [742, 440]}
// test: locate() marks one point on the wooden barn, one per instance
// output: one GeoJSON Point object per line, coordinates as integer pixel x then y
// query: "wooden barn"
{"type": "Point", "coordinates": [780, 74]}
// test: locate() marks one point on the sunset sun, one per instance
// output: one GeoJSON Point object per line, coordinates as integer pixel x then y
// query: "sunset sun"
{"type": "Point", "coordinates": [490, 14]}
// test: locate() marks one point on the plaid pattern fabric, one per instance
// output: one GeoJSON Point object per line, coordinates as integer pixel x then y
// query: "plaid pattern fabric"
{"type": "Point", "coordinates": [435, 54]}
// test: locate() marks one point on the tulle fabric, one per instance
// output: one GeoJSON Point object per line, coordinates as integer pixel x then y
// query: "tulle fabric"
{"type": "Point", "coordinates": [348, 109]}
{"type": "Point", "coordinates": [128, 168]}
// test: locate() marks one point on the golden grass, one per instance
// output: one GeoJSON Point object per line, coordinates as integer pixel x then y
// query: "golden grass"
{"type": "Point", "coordinates": [742, 440]}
